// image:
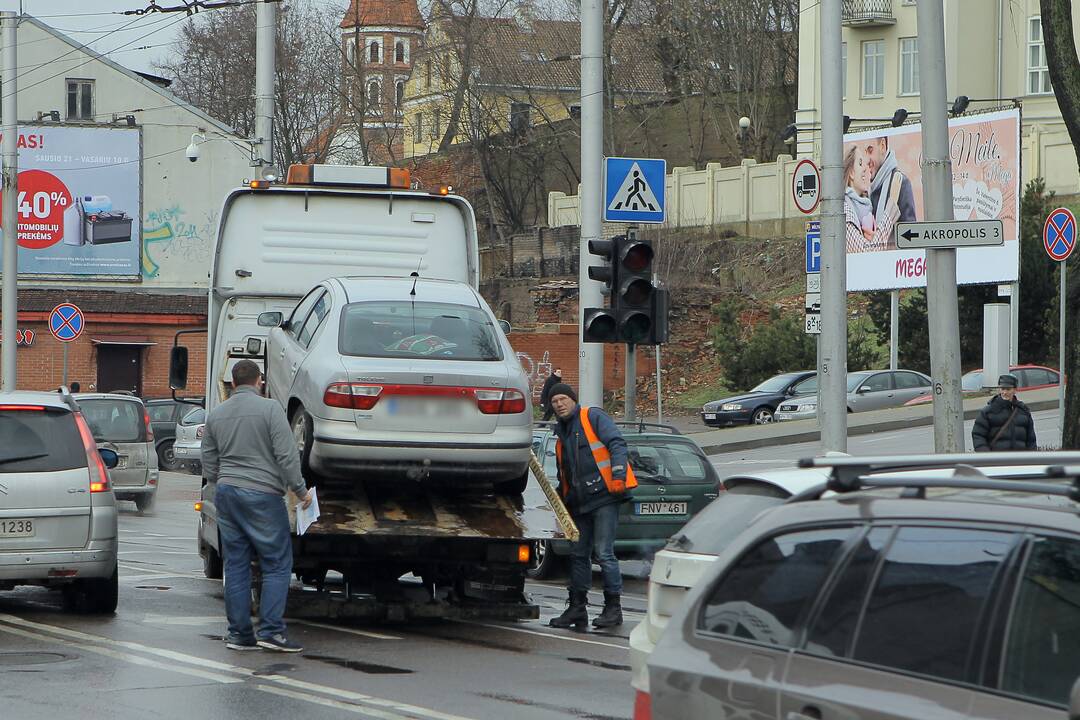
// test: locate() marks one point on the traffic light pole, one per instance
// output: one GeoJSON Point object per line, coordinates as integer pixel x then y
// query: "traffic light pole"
{"type": "Point", "coordinates": [631, 383]}
{"type": "Point", "coordinates": [10, 300]}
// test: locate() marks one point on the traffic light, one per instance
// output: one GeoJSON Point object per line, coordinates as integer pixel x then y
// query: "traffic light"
{"type": "Point", "coordinates": [599, 324]}
{"type": "Point", "coordinates": [633, 298]}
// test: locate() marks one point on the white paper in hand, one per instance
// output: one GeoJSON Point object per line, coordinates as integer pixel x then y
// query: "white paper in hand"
{"type": "Point", "coordinates": [304, 518]}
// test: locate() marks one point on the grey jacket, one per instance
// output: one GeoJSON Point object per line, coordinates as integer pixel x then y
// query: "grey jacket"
{"type": "Point", "coordinates": [247, 443]}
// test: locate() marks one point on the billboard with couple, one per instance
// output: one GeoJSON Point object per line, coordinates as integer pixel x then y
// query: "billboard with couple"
{"type": "Point", "coordinates": [883, 186]}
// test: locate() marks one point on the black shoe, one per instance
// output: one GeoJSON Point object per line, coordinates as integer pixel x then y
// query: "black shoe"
{"type": "Point", "coordinates": [576, 614]}
{"type": "Point", "coordinates": [612, 614]}
{"type": "Point", "coordinates": [235, 642]}
{"type": "Point", "coordinates": [279, 643]}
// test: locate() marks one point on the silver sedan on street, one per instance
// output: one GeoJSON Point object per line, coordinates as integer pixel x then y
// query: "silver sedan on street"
{"type": "Point", "coordinates": [866, 390]}
{"type": "Point", "coordinates": [401, 377]}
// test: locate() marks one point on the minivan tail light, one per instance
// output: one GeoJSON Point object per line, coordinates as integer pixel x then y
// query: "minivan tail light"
{"type": "Point", "coordinates": [199, 432]}
{"type": "Point", "coordinates": [149, 426]}
{"type": "Point", "coordinates": [99, 474]}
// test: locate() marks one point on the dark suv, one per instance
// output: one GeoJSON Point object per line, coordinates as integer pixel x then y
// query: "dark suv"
{"type": "Point", "coordinates": [675, 481]}
{"type": "Point", "coordinates": [909, 594]}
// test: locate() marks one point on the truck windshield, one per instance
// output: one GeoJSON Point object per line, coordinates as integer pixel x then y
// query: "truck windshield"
{"type": "Point", "coordinates": [400, 328]}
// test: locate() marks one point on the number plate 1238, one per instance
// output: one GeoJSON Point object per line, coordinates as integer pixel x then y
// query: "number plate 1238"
{"type": "Point", "coordinates": [17, 528]}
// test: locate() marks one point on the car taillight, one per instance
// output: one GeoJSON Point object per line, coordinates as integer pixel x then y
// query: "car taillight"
{"type": "Point", "coordinates": [37, 408]}
{"type": "Point", "coordinates": [499, 402]}
{"type": "Point", "coordinates": [199, 432]}
{"type": "Point", "coordinates": [642, 706]}
{"type": "Point", "coordinates": [99, 474]}
{"type": "Point", "coordinates": [149, 426]}
{"type": "Point", "coordinates": [355, 396]}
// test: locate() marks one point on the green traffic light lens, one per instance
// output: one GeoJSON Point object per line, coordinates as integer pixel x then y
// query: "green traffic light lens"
{"type": "Point", "coordinates": [601, 328]}
{"type": "Point", "coordinates": [635, 328]}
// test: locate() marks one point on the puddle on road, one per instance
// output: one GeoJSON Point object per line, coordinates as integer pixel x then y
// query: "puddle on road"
{"type": "Point", "coordinates": [16, 660]}
{"type": "Point", "coordinates": [600, 664]}
{"type": "Point", "coordinates": [275, 669]}
{"type": "Point", "coordinates": [369, 668]}
{"type": "Point", "coordinates": [153, 587]}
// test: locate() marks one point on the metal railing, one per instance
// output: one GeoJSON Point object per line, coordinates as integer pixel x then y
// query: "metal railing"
{"type": "Point", "coordinates": [867, 11]}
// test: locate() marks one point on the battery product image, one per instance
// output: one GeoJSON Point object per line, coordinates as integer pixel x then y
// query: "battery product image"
{"type": "Point", "coordinates": [91, 220]}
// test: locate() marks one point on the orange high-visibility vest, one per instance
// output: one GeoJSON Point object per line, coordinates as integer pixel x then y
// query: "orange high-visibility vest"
{"type": "Point", "coordinates": [603, 462]}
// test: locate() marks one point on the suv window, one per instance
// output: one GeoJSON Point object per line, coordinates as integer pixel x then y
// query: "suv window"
{"type": "Point", "coordinates": [406, 329]}
{"type": "Point", "coordinates": [925, 607]}
{"type": "Point", "coordinates": [161, 412]}
{"type": "Point", "coordinates": [114, 420]}
{"type": "Point", "coordinates": [39, 441]}
{"type": "Point", "coordinates": [666, 462]}
{"type": "Point", "coordinates": [766, 592]}
{"type": "Point", "coordinates": [1042, 656]}
{"type": "Point", "coordinates": [315, 319]}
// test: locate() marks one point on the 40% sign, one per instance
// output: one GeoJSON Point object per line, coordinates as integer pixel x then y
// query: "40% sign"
{"type": "Point", "coordinates": [42, 200]}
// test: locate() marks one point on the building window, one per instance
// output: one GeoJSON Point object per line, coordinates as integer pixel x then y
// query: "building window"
{"type": "Point", "coordinates": [401, 55]}
{"type": "Point", "coordinates": [399, 93]}
{"type": "Point", "coordinates": [873, 53]}
{"type": "Point", "coordinates": [519, 118]}
{"type": "Point", "coordinates": [80, 99]}
{"type": "Point", "coordinates": [436, 126]}
{"type": "Point", "coordinates": [909, 66]}
{"type": "Point", "coordinates": [843, 69]}
{"type": "Point", "coordinates": [375, 52]}
{"type": "Point", "coordinates": [351, 52]}
{"type": "Point", "coordinates": [427, 75]}
{"type": "Point", "coordinates": [1038, 74]}
{"type": "Point", "coordinates": [374, 97]}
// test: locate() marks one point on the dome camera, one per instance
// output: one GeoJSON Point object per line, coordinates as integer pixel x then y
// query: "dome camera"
{"type": "Point", "coordinates": [193, 151]}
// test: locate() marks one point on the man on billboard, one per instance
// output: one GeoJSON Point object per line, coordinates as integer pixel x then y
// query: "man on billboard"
{"type": "Point", "coordinates": [884, 171]}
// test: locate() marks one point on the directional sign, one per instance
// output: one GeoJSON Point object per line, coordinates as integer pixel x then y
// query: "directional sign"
{"type": "Point", "coordinates": [813, 247]}
{"type": "Point", "coordinates": [66, 322]}
{"type": "Point", "coordinates": [634, 190]}
{"type": "Point", "coordinates": [1059, 234]}
{"type": "Point", "coordinates": [949, 234]}
{"type": "Point", "coordinates": [806, 186]}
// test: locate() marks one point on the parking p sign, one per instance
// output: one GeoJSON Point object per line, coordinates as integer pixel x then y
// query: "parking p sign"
{"type": "Point", "coordinates": [813, 247]}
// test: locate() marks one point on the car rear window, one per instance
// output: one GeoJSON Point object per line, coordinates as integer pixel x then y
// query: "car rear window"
{"type": "Point", "coordinates": [667, 462]}
{"type": "Point", "coordinates": [160, 412]}
{"type": "Point", "coordinates": [118, 421]}
{"type": "Point", "coordinates": [401, 328]}
{"type": "Point", "coordinates": [39, 441]}
{"type": "Point", "coordinates": [195, 417]}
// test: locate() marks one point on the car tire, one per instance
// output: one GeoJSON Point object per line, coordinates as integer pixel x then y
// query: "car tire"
{"type": "Point", "coordinates": [145, 503]}
{"type": "Point", "coordinates": [304, 437]}
{"type": "Point", "coordinates": [548, 563]}
{"type": "Point", "coordinates": [762, 416]}
{"type": "Point", "coordinates": [212, 566]}
{"type": "Point", "coordinates": [512, 487]}
{"type": "Point", "coordinates": [94, 596]}
{"type": "Point", "coordinates": [195, 467]}
{"type": "Point", "coordinates": [167, 456]}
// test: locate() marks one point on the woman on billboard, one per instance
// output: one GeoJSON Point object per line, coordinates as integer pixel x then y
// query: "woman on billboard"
{"type": "Point", "coordinates": [865, 229]}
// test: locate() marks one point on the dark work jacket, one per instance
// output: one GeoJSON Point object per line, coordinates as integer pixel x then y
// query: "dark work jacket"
{"type": "Point", "coordinates": [587, 489]}
{"type": "Point", "coordinates": [1019, 435]}
{"type": "Point", "coordinates": [545, 392]}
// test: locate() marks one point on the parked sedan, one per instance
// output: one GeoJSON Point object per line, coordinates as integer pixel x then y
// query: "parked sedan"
{"type": "Point", "coordinates": [1031, 377]}
{"type": "Point", "coordinates": [866, 390]}
{"type": "Point", "coordinates": [189, 434]}
{"type": "Point", "coordinates": [758, 406]}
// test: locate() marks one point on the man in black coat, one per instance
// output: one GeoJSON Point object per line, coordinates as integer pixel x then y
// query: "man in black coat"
{"type": "Point", "coordinates": [545, 393]}
{"type": "Point", "coordinates": [1005, 423]}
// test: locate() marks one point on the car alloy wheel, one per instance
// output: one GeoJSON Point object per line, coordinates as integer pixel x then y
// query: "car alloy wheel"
{"type": "Point", "coordinates": [762, 416]}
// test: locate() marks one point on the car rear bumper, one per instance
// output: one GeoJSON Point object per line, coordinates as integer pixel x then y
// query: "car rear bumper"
{"type": "Point", "coordinates": [97, 560]}
{"type": "Point", "coordinates": [187, 452]}
{"type": "Point", "coordinates": [782, 416]}
{"type": "Point", "coordinates": [640, 648]}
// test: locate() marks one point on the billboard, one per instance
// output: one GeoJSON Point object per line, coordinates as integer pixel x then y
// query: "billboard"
{"type": "Point", "coordinates": [80, 201]}
{"type": "Point", "coordinates": [883, 186]}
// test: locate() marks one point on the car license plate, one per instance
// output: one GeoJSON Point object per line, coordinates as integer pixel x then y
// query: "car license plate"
{"type": "Point", "coordinates": [661, 508]}
{"type": "Point", "coordinates": [122, 462]}
{"type": "Point", "coordinates": [710, 416]}
{"type": "Point", "coordinates": [426, 408]}
{"type": "Point", "coordinates": [16, 528]}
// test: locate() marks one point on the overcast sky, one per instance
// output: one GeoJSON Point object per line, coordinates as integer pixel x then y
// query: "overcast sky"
{"type": "Point", "coordinates": [131, 40]}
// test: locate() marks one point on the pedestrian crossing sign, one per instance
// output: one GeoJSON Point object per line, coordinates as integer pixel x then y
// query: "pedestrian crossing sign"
{"type": "Point", "coordinates": [634, 190]}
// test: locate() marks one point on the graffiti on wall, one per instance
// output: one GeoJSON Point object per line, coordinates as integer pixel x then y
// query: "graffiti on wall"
{"type": "Point", "coordinates": [537, 371]}
{"type": "Point", "coordinates": [169, 237]}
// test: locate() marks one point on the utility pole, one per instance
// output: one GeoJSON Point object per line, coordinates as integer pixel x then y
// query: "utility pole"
{"type": "Point", "coordinates": [265, 62]}
{"type": "Point", "coordinates": [894, 329]}
{"type": "Point", "coordinates": [591, 355]}
{"type": "Point", "coordinates": [941, 263]}
{"type": "Point", "coordinates": [10, 110]}
{"type": "Point", "coordinates": [631, 382]}
{"type": "Point", "coordinates": [832, 347]}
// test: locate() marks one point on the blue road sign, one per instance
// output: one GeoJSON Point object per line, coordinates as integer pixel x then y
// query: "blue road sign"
{"type": "Point", "coordinates": [66, 322]}
{"type": "Point", "coordinates": [813, 246]}
{"type": "Point", "coordinates": [1059, 234]}
{"type": "Point", "coordinates": [634, 190]}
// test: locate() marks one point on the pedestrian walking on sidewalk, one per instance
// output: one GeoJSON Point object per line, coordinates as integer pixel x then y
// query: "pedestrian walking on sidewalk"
{"type": "Point", "coordinates": [594, 475]}
{"type": "Point", "coordinates": [249, 451]}
{"type": "Point", "coordinates": [1004, 423]}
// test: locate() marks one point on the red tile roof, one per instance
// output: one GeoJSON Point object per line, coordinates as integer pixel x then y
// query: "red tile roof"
{"type": "Point", "coordinates": [397, 13]}
{"type": "Point", "coordinates": [113, 301]}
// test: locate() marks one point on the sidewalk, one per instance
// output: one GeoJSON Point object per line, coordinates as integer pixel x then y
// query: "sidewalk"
{"type": "Point", "coordinates": [744, 437]}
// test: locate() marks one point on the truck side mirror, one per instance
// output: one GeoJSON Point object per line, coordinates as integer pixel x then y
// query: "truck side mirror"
{"type": "Point", "coordinates": [178, 367]}
{"type": "Point", "coordinates": [1074, 701]}
{"type": "Point", "coordinates": [270, 319]}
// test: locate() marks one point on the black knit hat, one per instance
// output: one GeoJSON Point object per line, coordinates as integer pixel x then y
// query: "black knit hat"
{"type": "Point", "coordinates": [1008, 380]}
{"type": "Point", "coordinates": [562, 389]}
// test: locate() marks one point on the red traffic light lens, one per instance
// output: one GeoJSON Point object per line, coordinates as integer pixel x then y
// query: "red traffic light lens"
{"type": "Point", "coordinates": [636, 257]}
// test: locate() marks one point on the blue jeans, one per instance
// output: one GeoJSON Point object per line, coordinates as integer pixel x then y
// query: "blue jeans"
{"type": "Point", "coordinates": [597, 536]}
{"type": "Point", "coordinates": [253, 522]}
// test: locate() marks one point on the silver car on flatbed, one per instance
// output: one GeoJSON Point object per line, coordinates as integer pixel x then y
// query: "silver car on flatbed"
{"type": "Point", "coordinates": [58, 524]}
{"type": "Point", "coordinates": [404, 376]}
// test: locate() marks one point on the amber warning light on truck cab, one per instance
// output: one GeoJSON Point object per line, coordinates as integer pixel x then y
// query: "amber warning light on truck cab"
{"type": "Point", "coordinates": [348, 175]}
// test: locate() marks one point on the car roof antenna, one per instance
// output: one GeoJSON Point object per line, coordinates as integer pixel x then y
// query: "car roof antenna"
{"type": "Point", "coordinates": [415, 275]}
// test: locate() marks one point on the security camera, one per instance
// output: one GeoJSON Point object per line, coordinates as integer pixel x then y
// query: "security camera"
{"type": "Point", "coordinates": [192, 152]}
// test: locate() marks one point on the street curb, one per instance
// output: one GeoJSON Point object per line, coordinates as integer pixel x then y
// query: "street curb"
{"type": "Point", "coordinates": [805, 436]}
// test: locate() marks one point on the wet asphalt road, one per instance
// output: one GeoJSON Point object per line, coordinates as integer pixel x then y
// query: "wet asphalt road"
{"type": "Point", "coordinates": [161, 655]}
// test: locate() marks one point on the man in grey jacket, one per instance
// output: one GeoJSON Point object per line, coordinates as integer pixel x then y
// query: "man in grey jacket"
{"type": "Point", "coordinates": [249, 451]}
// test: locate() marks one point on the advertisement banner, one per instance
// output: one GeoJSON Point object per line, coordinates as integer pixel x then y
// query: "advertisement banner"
{"type": "Point", "coordinates": [883, 186]}
{"type": "Point", "coordinates": [80, 201]}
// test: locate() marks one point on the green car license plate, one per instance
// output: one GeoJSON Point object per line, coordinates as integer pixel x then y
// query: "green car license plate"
{"type": "Point", "coordinates": [660, 508]}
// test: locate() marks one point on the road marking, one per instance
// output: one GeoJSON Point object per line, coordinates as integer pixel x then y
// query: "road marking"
{"type": "Point", "coordinates": [189, 553]}
{"type": "Point", "coordinates": [351, 631]}
{"type": "Point", "coordinates": [183, 620]}
{"type": "Point", "coordinates": [548, 635]}
{"type": "Point", "coordinates": [337, 704]}
{"type": "Point", "coordinates": [202, 662]}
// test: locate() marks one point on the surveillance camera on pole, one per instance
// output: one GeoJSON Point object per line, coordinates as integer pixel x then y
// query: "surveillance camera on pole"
{"type": "Point", "coordinates": [193, 153]}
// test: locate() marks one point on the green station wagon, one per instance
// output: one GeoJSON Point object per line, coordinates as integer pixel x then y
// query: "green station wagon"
{"type": "Point", "coordinates": [675, 481]}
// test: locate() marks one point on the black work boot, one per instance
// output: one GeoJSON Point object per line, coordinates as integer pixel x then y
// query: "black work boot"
{"type": "Point", "coordinates": [612, 614]}
{"type": "Point", "coordinates": [576, 614]}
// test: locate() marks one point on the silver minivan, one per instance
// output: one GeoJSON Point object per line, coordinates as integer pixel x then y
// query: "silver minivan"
{"type": "Point", "coordinates": [121, 423]}
{"type": "Point", "coordinates": [58, 525]}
